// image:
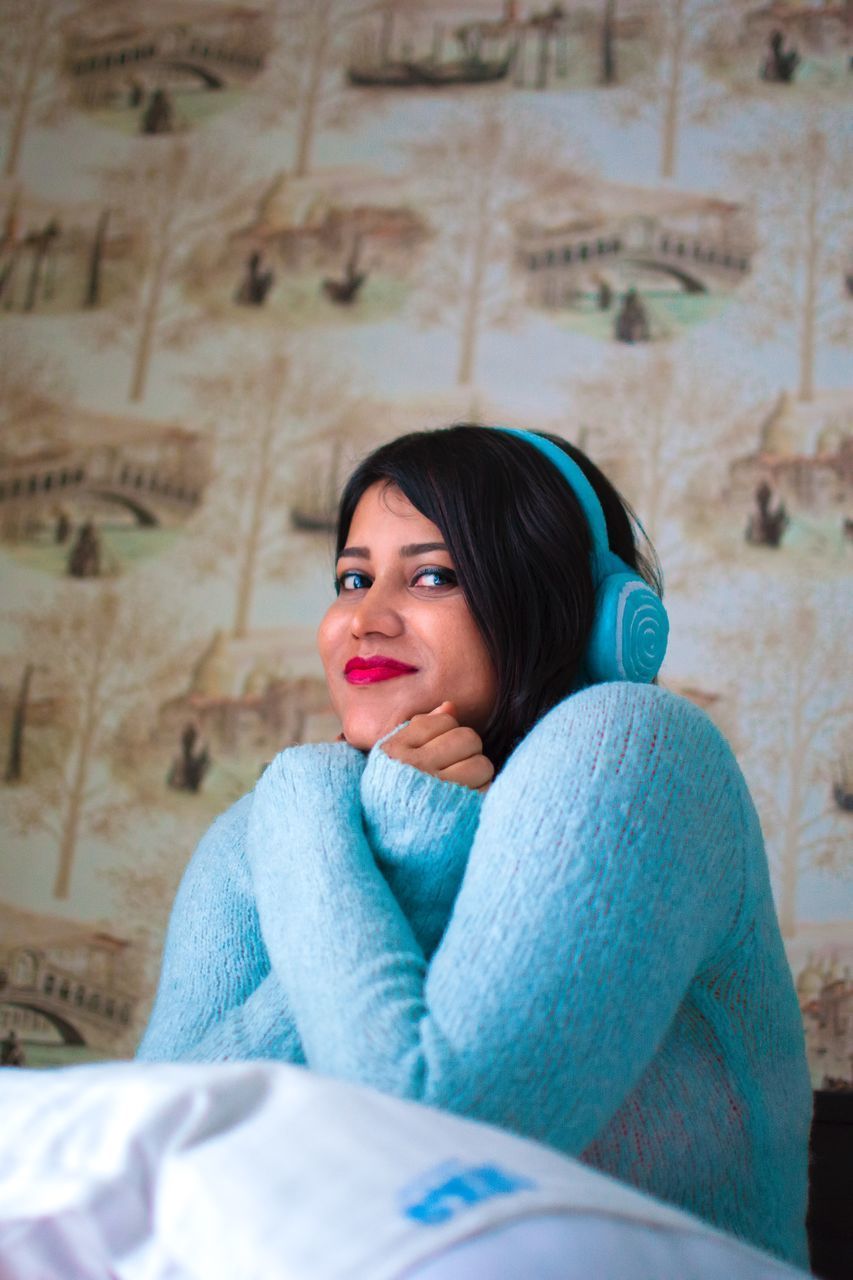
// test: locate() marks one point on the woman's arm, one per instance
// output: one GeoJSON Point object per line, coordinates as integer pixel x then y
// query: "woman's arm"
{"type": "Point", "coordinates": [420, 829]}
{"type": "Point", "coordinates": [607, 866]}
{"type": "Point", "coordinates": [216, 998]}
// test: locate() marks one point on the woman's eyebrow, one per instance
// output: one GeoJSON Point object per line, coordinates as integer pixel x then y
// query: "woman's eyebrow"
{"type": "Point", "coordinates": [410, 549]}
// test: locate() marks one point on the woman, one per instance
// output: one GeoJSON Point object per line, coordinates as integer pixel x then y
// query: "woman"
{"type": "Point", "coordinates": [527, 886]}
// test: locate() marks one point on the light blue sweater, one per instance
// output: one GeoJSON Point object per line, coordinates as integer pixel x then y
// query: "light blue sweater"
{"type": "Point", "coordinates": [611, 981]}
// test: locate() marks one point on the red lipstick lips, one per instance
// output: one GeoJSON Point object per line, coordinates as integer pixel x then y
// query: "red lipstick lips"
{"type": "Point", "coordinates": [375, 668]}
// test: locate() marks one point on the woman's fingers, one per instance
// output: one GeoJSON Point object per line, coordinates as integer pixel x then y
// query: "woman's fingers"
{"type": "Point", "coordinates": [446, 748]}
{"type": "Point", "coordinates": [433, 723]}
{"type": "Point", "coordinates": [436, 743]}
{"type": "Point", "coordinates": [421, 730]}
{"type": "Point", "coordinates": [476, 772]}
{"type": "Point", "coordinates": [457, 744]}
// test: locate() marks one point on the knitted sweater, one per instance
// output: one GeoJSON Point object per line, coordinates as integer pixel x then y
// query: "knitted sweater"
{"type": "Point", "coordinates": [611, 980]}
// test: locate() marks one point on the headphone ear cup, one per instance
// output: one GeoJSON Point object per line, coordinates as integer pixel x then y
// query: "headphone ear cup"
{"type": "Point", "coordinates": [629, 632]}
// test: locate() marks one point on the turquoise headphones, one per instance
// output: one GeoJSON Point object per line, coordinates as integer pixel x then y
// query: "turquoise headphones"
{"type": "Point", "coordinates": [630, 628]}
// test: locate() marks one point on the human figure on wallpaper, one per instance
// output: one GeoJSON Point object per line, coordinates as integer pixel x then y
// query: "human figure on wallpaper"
{"type": "Point", "coordinates": [780, 63]}
{"type": "Point", "coordinates": [61, 527]}
{"type": "Point", "coordinates": [12, 1051]}
{"type": "Point", "coordinates": [158, 116]}
{"type": "Point", "coordinates": [7, 270]}
{"type": "Point", "coordinates": [345, 291]}
{"type": "Point", "coordinates": [769, 520]}
{"type": "Point", "coordinates": [187, 770]}
{"type": "Point", "coordinates": [632, 321]}
{"type": "Point", "coordinates": [527, 884]}
{"type": "Point", "coordinates": [256, 283]}
{"type": "Point", "coordinates": [604, 296]}
{"type": "Point", "coordinates": [84, 558]}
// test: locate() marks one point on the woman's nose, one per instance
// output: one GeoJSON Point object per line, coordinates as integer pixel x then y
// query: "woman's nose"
{"type": "Point", "coordinates": [376, 612]}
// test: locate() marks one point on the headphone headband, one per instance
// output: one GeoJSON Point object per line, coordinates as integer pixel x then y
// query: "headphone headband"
{"type": "Point", "coordinates": [630, 628]}
{"type": "Point", "coordinates": [579, 485]}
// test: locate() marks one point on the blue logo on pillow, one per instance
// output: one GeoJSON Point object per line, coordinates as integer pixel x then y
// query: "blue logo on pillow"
{"type": "Point", "coordinates": [449, 1188]}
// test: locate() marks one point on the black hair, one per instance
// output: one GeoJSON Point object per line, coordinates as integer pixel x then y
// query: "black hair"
{"type": "Point", "coordinates": [521, 548]}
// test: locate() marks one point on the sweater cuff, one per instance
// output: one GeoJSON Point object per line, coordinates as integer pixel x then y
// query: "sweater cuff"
{"type": "Point", "coordinates": [408, 813]}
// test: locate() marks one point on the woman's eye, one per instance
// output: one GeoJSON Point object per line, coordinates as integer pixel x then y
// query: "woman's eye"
{"type": "Point", "coordinates": [431, 579]}
{"type": "Point", "coordinates": [439, 578]}
{"type": "Point", "coordinates": [350, 580]}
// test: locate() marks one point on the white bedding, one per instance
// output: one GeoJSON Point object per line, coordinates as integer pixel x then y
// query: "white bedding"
{"type": "Point", "coordinates": [261, 1171]}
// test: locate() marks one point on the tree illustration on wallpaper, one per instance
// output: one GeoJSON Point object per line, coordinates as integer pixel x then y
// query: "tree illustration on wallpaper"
{"type": "Point", "coordinates": [30, 87]}
{"type": "Point", "coordinates": [29, 381]}
{"type": "Point", "coordinates": [798, 175]}
{"type": "Point", "coordinates": [262, 409]}
{"type": "Point", "coordinates": [662, 427]}
{"type": "Point", "coordinates": [793, 708]}
{"type": "Point", "coordinates": [474, 169]}
{"type": "Point", "coordinates": [675, 89]}
{"type": "Point", "coordinates": [177, 194]}
{"type": "Point", "coordinates": [104, 656]}
{"type": "Point", "coordinates": [144, 891]}
{"type": "Point", "coordinates": [305, 72]}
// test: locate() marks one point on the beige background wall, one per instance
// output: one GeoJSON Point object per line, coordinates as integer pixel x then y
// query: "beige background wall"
{"type": "Point", "coordinates": [231, 261]}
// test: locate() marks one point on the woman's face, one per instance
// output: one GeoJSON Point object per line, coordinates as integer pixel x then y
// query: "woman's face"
{"type": "Point", "coordinates": [399, 601]}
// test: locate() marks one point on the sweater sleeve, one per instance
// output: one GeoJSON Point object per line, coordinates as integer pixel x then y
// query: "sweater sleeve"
{"type": "Point", "coordinates": [216, 998]}
{"type": "Point", "coordinates": [606, 869]}
{"type": "Point", "coordinates": [420, 829]}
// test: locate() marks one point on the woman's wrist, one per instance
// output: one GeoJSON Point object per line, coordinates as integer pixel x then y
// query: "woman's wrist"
{"type": "Point", "coordinates": [408, 811]}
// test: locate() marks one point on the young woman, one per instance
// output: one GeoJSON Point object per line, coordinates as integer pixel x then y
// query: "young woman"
{"type": "Point", "coordinates": [527, 885]}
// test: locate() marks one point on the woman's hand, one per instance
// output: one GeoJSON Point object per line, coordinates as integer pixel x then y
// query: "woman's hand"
{"type": "Point", "coordinates": [436, 743]}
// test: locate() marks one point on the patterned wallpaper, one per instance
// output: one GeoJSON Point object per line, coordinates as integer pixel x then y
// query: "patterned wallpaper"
{"type": "Point", "coordinates": [240, 245]}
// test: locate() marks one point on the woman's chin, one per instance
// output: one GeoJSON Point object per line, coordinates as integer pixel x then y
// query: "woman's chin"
{"type": "Point", "coordinates": [364, 731]}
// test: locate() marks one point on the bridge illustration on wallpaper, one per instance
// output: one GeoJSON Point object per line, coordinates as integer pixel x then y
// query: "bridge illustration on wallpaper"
{"type": "Point", "coordinates": [595, 252]}
{"type": "Point", "coordinates": [152, 60]}
{"type": "Point", "coordinates": [63, 982]}
{"type": "Point", "coordinates": [97, 472]}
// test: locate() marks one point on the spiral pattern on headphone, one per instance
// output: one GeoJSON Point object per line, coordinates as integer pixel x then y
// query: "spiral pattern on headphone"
{"type": "Point", "coordinates": [642, 629]}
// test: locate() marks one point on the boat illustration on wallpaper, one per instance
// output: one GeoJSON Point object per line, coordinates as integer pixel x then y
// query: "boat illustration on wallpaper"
{"type": "Point", "coordinates": [631, 264]}
{"type": "Point", "coordinates": [161, 67]}
{"type": "Point", "coordinates": [430, 74]}
{"type": "Point", "coordinates": [541, 47]}
{"type": "Point", "coordinates": [308, 248]}
{"type": "Point", "coordinates": [344, 290]}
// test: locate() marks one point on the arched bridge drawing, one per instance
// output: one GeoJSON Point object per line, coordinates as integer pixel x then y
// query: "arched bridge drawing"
{"type": "Point", "coordinates": [159, 480]}
{"type": "Point", "coordinates": [698, 264]}
{"type": "Point", "coordinates": [68, 1033]}
{"type": "Point", "coordinates": [224, 49]}
{"type": "Point", "coordinates": [80, 1012]}
{"type": "Point", "coordinates": [210, 79]}
{"type": "Point", "coordinates": [63, 980]}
